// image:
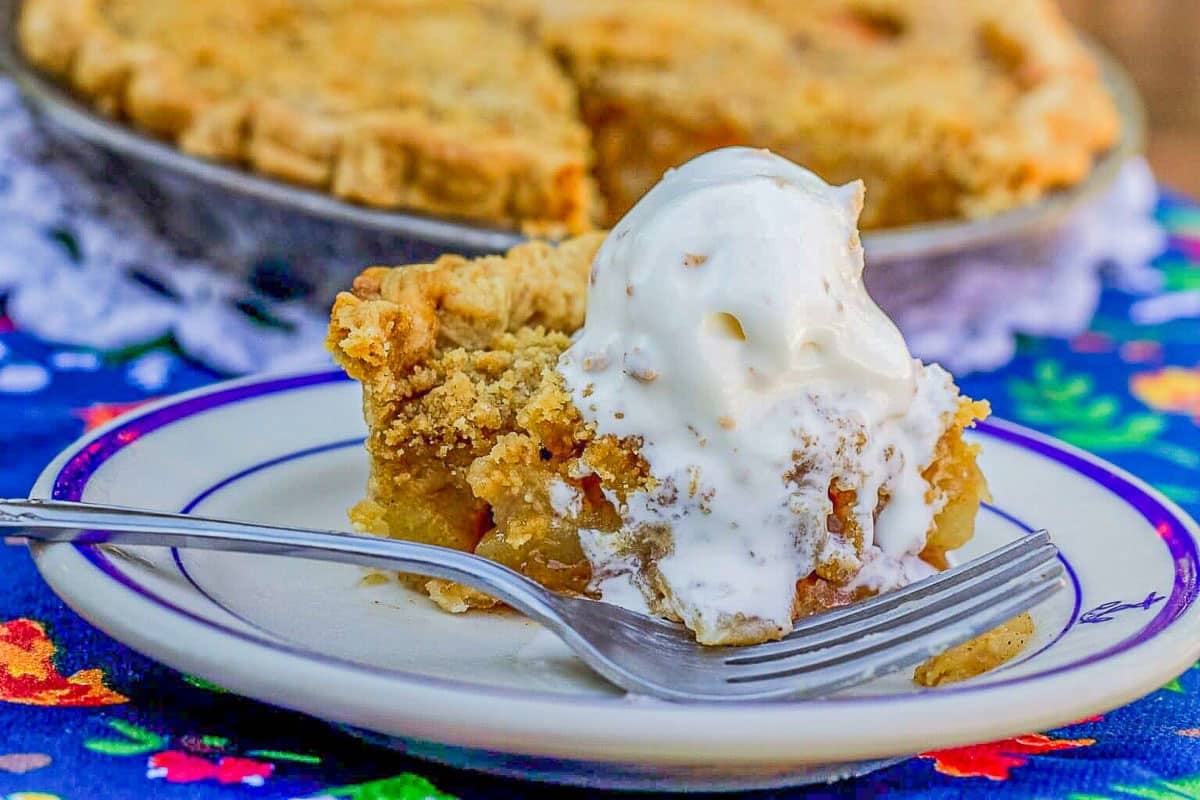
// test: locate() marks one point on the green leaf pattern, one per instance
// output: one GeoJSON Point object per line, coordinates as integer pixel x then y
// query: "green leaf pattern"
{"type": "Point", "coordinates": [1177, 789]}
{"type": "Point", "coordinates": [406, 786]}
{"type": "Point", "coordinates": [136, 741]}
{"type": "Point", "coordinates": [1066, 405]}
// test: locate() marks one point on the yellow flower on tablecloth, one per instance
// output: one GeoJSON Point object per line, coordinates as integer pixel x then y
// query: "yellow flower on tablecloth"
{"type": "Point", "coordinates": [1172, 389]}
{"type": "Point", "coordinates": [28, 674]}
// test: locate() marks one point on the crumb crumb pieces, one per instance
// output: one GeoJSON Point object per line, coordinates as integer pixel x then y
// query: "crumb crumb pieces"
{"type": "Point", "coordinates": [692, 260]}
{"type": "Point", "coordinates": [642, 375]}
{"type": "Point", "coordinates": [594, 363]}
{"type": "Point", "coordinates": [636, 367]}
{"type": "Point", "coordinates": [374, 578]}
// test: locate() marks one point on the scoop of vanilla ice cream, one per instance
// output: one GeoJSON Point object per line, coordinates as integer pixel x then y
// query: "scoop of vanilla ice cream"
{"type": "Point", "coordinates": [747, 270]}
{"type": "Point", "coordinates": [729, 329]}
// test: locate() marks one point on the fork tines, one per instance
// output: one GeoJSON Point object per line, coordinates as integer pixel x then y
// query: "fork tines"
{"type": "Point", "coordinates": [906, 626]}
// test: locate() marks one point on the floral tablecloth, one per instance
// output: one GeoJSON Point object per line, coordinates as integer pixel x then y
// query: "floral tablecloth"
{"type": "Point", "coordinates": [83, 717]}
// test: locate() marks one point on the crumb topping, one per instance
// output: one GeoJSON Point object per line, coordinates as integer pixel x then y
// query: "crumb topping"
{"type": "Point", "coordinates": [556, 115]}
{"type": "Point", "coordinates": [476, 444]}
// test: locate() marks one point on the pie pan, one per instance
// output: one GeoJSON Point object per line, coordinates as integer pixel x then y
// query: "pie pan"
{"type": "Point", "coordinates": [236, 217]}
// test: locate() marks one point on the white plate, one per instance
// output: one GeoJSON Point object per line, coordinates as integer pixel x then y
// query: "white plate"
{"type": "Point", "coordinates": [496, 692]}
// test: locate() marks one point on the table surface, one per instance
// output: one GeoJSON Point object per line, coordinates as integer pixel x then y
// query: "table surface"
{"type": "Point", "coordinates": [1157, 41]}
{"type": "Point", "coordinates": [81, 716]}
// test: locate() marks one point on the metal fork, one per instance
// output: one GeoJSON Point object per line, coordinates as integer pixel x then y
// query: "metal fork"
{"type": "Point", "coordinates": [638, 653]}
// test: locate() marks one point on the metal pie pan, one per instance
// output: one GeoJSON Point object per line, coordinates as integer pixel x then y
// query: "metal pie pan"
{"type": "Point", "coordinates": [155, 161]}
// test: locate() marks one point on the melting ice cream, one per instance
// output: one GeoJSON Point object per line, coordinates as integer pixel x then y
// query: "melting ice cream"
{"type": "Point", "coordinates": [728, 329]}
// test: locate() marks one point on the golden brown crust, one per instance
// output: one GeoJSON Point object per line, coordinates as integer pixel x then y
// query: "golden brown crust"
{"type": "Point", "coordinates": [373, 102]}
{"type": "Point", "coordinates": [947, 108]}
{"type": "Point", "coordinates": [395, 318]}
{"type": "Point", "coordinates": [495, 110]}
{"type": "Point", "coordinates": [475, 443]}
{"type": "Point", "coordinates": [457, 362]}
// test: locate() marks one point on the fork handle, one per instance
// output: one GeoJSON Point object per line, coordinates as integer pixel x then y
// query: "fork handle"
{"type": "Point", "coordinates": [92, 524]}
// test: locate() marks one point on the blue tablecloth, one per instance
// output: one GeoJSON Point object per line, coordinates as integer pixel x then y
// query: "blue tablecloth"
{"type": "Point", "coordinates": [83, 717]}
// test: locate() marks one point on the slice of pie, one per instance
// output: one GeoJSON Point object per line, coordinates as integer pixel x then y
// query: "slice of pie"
{"type": "Point", "coordinates": [736, 438]}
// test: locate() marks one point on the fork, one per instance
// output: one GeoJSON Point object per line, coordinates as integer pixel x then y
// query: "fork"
{"type": "Point", "coordinates": [641, 654]}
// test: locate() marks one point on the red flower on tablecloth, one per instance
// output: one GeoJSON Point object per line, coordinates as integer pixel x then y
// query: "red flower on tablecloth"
{"type": "Point", "coordinates": [1091, 342]}
{"type": "Point", "coordinates": [97, 414]}
{"type": "Point", "coordinates": [176, 766]}
{"type": "Point", "coordinates": [28, 674]}
{"type": "Point", "coordinates": [1141, 351]}
{"type": "Point", "coordinates": [995, 759]}
{"type": "Point", "coordinates": [1173, 389]}
{"type": "Point", "coordinates": [192, 758]}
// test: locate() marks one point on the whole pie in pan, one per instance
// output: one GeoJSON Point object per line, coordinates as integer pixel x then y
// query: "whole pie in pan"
{"type": "Point", "coordinates": [556, 115]}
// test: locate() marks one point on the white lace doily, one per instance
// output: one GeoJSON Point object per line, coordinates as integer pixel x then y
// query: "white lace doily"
{"type": "Point", "coordinates": [966, 310]}
{"type": "Point", "coordinates": [85, 261]}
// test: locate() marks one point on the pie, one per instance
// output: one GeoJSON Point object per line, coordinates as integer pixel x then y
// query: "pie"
{"type": "Point", "coordinates": [475, 444]}
{"type": "Point", "coordinates": [701, 415]}
{"type": "Point", "coordinates": [556, 115]}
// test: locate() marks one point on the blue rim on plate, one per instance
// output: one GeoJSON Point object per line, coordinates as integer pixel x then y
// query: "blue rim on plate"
{"type": "Point", "coordinates": [1171, 525]}
{"type": "Point", "coordinates": [1008, 517]}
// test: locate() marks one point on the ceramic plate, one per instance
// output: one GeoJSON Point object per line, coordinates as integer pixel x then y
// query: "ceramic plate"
{"type": "Point", "coordinates": [493, 691]}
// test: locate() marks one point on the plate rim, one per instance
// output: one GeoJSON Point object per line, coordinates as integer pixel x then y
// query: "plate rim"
{"type": "Point", "coordinates": [56, 561]}
{"type": "Point", "coordinates": [92, 554]}
{"type": "Point", "coordinates": [921, 240]}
